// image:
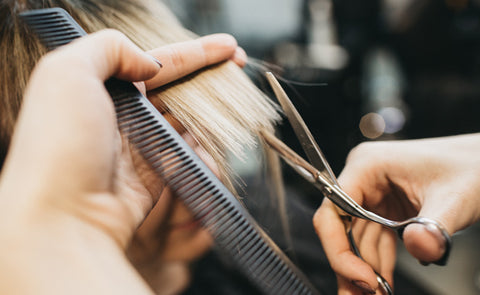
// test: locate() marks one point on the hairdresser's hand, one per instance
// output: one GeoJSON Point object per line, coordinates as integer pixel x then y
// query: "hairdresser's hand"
{"type": "Point", "coordinates": [70, 197]}
{"type": "Point", "coordinates": [434, 178]}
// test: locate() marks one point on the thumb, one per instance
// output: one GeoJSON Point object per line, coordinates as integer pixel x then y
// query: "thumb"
{"type": "Point", "coordinates": [429, 240]}
{"type": "Point", "coordinates": [451, 201]}
{"type": "Point", "coordinates": [108, 53]}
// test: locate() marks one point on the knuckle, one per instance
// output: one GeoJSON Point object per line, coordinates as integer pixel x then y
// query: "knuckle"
{"type": "Point", "coordinates": [114, 40]}
{"type": "Point", "coordinates": [360, 149]}
{"type": "Point", "coordinates": [178, 60]}
{"type": "Point", "coordinates": [320, 216]}
{"type": "Point", "coordinates": [52, 64]}
{"type": "Point", "coordinates": [111, 35]}
{"type": "Point", "coordinates": [363, 151]}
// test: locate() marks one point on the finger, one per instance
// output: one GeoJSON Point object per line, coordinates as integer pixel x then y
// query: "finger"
{"type": "Point", "coordinates": [141, 87]}
{"type": "Point", "coordinates": [346, 287]}
{"type": "Point", "coordinates": [108, 53]}
{"type": "Point", "coordinates": [344, 262]}
{"type": "Point", "coordinates": [150, 235]}
{"type": "Point", "coordinates": [365, 175]}
{"type": "Point", "coordinates": [377, 247]}
{"type": "Point", "coordinates": [183, 58]}
{"type": "Point", "coordinates": [359, 226]}
{"type": "Point", "coordinates": [368, 244]}
{"type": "Point", "coordinates": [387, 254]}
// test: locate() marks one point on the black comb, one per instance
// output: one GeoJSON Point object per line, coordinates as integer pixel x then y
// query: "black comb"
{"type": "Point", "coordinates": [235, 232]}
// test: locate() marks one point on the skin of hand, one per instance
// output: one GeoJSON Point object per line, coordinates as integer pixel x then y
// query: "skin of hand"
{"type": "Point", "coordinates": [70, 195]}
{"type": "Point", "coordinates": [435, 178]}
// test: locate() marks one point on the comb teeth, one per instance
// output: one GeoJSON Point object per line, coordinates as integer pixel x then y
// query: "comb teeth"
{"type": "Point", "coordinates": [236, 233]}
{"type": "Point", "coordinates": [53, 26]}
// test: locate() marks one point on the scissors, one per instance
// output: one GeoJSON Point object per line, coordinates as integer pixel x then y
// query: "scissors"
{"type": "Point", "coordinates": [319, 173]}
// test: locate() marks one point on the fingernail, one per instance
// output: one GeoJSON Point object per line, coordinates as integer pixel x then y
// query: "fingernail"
{"type": "Point", "coordinates": [157, 61]}
{"type": "Point", "coordinates": [364, 286]}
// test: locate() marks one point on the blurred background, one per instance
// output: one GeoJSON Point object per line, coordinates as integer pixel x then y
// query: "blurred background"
{"type": "Point", "coordinates": [357, 71]}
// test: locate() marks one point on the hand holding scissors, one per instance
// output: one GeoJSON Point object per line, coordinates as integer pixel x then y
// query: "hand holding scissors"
{"type": "Point", "coordinates": [319, 174]}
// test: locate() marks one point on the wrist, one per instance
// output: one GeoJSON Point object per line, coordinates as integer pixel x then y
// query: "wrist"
{"type": "Point", "coordinates": [48, 254]}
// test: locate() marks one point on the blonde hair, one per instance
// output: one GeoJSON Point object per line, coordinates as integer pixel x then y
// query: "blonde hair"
{"type": "Point", "coordinates": [219, 105]}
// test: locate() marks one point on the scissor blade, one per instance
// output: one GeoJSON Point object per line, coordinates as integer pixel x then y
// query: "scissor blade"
{"type": "Point", "coordinates": [309, 145]}
{"type": "Point", "coordinates": [311, 174]}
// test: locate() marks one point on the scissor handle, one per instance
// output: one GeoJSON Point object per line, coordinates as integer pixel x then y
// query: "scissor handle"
{"type": "Point", "coordinates": [347, 204]}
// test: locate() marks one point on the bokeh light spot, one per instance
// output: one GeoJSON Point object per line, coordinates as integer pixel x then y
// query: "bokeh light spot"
{"type": "Point", "coordinates": [372, 125]}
